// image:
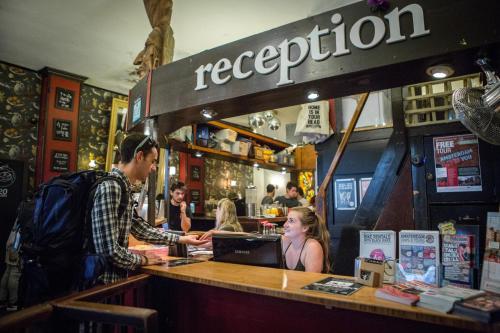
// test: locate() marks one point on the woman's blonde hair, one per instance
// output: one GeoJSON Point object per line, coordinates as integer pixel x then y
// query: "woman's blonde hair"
{"type": "Point", "coordinates": [317, 230]}
{"type": "Point", "coordinates": [227, 215]}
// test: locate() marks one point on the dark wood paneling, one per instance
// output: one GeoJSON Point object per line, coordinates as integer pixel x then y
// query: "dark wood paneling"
{"type": "Point", "coordinates": [398, 211]}
{"type": "Point", "coordinates": [421, 211]}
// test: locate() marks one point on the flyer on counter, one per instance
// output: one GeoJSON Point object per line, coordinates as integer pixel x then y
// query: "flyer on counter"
{"type": "Point", "coordinates": [457, 165]}
{"type": "Point", "coordinates": [335, 286]}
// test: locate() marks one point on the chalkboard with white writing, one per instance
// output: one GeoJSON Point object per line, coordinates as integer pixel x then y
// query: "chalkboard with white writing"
{"type": "Point", "coordinates": [61, 130]}
{"type": "Point", "coordinates": [59, 161]}
{"type": "Point", "coordinates": [64, 99]}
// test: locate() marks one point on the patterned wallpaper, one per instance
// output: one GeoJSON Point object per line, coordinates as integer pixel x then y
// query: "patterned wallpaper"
{"type": "Point", "coordinates": [95, 113]}
{"type": "Point", "coordinates": [19, 107]}
{"type": "Point", "coordinates": [218, 177]}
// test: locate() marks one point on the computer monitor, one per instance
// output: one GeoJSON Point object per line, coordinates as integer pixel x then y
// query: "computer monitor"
{"type": "Point", "coordinates": [248, 249]}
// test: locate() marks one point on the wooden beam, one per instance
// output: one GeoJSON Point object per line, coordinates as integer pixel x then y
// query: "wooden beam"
{"type": "Point", "coordinates": [321, 197]}
{"type": "Point", "coordinates": [387, 170]}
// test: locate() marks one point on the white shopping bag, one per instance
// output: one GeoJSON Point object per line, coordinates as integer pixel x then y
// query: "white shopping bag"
{"type": "Point", "coordinates": [312, 122]}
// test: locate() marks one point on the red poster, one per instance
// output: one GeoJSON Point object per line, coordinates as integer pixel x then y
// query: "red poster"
{"type": "Point", "coordinates": [457, 163]}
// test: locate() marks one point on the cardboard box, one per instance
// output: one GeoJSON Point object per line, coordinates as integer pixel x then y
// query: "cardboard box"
{"type": "Point", "coordinates": [259, 152]}
{"type": "Point", "coordinates": [224, 146]}
{"type": "Point", "coordinates": [227, 135]}
{"type": "Point", "coordinates": [369, 272]}
{"type": "Point", "coordinates": [240, 148]}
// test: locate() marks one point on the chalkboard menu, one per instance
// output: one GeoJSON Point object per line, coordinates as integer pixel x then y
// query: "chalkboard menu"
{"type": "Point", "coordinates": [64, 99]}
{"type": "Point", "coordinates": [60, 161]}
{"type": "Point", "coordinates": [62, 130]}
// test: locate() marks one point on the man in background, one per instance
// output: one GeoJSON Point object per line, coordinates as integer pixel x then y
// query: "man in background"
{"type": "Point", "coordinates": [179, 214]}
{"type": "Point", "coordinates": [300, 197]}
{"type": "Point", "coordinates": [269, 197]}
{"type": "Point", "coordinates": [290, 198]}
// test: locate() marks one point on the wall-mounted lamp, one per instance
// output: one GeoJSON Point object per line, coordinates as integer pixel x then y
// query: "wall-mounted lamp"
{"type": "Point", "coordinates": [198, 154]}
{"type": "Point", "coordinates": [312, 95]}
{"type": "Point", "coordinates": [440, 71]}
{"type": "Point", "coordinates": [208, 113]}
{"type": "Point", "coordinates": [234, 183]}
{"type": "Point", "coordinates": [256, 165]}
{"type": "Point", "coordinates": [92, 163]}
{"type": "Point", "coordinates": [172, 171]}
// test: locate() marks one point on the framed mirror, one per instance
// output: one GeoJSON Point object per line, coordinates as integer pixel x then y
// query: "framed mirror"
{"type": "Point", "coordinates": [116, 131]}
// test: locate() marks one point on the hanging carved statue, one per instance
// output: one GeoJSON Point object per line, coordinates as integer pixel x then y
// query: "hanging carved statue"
{"type": "Point", "coordinates": [159, 46]}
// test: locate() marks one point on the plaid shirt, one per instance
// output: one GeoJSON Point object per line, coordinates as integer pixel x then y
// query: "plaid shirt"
{"type": "Point", "coordinates": [110, 234]}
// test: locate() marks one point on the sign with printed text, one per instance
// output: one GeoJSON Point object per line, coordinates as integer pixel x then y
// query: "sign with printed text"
{"type": "Point", "coordinates": [457, 164]}
{"type": "Point", "coordinates": [345, 194]}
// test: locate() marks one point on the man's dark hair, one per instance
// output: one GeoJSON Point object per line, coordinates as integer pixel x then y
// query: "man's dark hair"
{"type": "Point", "coordinates": [177, 186]}
{"type": "Point", "coordinates": [270, 188]}
{"type": "Point", "coordinates": [130, 146]}
{"type": "Point", "coordinates": [300, 191]}
{"type": "Point", "coordinates": [291, 185]}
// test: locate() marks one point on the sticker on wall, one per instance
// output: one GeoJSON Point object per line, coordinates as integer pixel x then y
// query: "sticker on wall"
{"type": "Point", "coordinates": [457, 165]}
{"type": "Point", "coordinates": [64, 99]}
{"type": "Point", "coordinates": [345, 194]}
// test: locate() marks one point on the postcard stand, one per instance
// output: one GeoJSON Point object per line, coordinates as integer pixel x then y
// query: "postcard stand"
{"type": "Point", "coordinates": [405, 273]}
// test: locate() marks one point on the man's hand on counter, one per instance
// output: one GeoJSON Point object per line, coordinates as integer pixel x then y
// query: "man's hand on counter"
{"type": "Point", "coordinates": [192, 239]}
{"type": "Point", "coordinates": [149, 259]}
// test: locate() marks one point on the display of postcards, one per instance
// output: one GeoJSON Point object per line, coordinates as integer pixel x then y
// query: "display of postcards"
{"type": "Point", "coordinates": [490, 277]}
{"type": "Point", "coordinates": [476, 248]}
{"type": "Point", "coordinates": [458, 275]}
{"type": "Point", "coordinates": [335, 286]}
{"type": "Point", "coordinates": [418, 263]}
{"type": "Point", "coordinates": [418, 256]}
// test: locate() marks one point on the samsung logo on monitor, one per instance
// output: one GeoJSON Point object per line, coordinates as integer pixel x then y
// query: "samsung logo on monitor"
{"type": "Point", "coordinates": [241, 251]}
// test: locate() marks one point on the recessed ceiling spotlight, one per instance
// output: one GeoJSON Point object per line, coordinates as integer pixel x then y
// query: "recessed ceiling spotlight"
{"type": "Point", "coordinates": [440, 71]}
{"type": "Point", "coordinates": [312, 95]}
{"type": "Point", "coordinates": [208, 113]}
{"type": "Point", "coordinates": [198, 154]}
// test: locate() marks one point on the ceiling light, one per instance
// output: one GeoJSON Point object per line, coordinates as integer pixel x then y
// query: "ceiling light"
{"type": "Point", "coordinates": [208, 113]}
{"type": "Point", "coordinates": [274, 124]}
{"type": "Point", "coordinates": [440, 71]}
{"type": "Point", "coordinates": [198, 154]}
{"type": "Point", "coordinates": [312, 95]}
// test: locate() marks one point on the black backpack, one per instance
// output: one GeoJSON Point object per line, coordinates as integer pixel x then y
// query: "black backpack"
{"type": "Point", "coordinates": [57, 249]}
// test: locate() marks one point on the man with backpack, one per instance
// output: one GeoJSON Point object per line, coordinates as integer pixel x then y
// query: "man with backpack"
{"type": "Point", "coordinates": [110, 233]}
{"type": "Point", "coordinates": [75, 233]}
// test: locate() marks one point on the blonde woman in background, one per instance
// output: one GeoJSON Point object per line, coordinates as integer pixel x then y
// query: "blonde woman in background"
{"type": "Point", "coordinates": [225, 219]}
{"type": "Point", "coordinates": [306, 242]}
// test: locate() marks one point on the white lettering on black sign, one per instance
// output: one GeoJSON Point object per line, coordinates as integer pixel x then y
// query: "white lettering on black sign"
{"type": "Point", "coordinates": [220, 72]}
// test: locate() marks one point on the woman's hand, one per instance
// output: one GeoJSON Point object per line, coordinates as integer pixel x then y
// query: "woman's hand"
{"type": "Point", "coordinates": [207, 235]}
{"type": "Point", "coordinates": [192, 239]}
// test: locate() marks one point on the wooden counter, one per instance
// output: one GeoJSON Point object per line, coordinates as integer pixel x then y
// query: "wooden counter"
{"type": "Point", "coordinates": [269, 284]}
